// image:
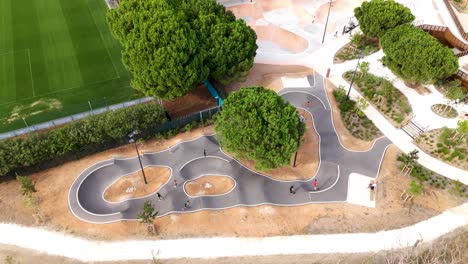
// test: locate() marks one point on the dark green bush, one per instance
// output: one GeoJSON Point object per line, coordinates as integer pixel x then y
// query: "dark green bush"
{"type": "Point", "coordinates": [114, 126]}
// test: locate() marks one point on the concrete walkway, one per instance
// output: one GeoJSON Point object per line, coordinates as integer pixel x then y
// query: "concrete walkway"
{"type": "Point", "coordinates": [321, 58]}
{"type": "Point", "coordinates": [54, 243]}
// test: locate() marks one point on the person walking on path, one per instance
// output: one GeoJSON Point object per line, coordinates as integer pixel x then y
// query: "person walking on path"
{"type": "Point", "coordinates": [308, 104]}
{"type": "Point", "coordinates": [175, 183]}
{"type": "Point", "coordinates": [204, 152]}
{"type": "Point", "coordinates": [159, 196]}
{"type": "Point", "coordinates": [315, 184]}
{"type": "Point", "coordinates": [292, 190]}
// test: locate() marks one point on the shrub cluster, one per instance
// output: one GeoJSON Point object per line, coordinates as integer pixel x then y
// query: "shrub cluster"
{"type": "Point", "coordinates": [114, 126]}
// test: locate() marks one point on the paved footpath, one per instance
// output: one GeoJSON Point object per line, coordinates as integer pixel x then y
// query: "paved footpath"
{"type": "Point", "coordinates": [86, 250]}
{"type": "Point", "coordinates": [187, 162]}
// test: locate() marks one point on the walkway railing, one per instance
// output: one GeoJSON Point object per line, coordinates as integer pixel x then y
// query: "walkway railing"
{"type": "Point", "coordinates": [456, 20]}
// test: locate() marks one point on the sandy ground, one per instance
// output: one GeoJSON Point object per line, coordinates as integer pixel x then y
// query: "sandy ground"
{"type": "Point", "coordinates": [133, 185]}
{"type": "Point", "coordinates": [307, 157]}
{"type": "Point", "coordinates": [209, 185]}
{"type": "Point", "coordinates": [389, 213]}
{"type": "Point", "coordinates": [269, 76]}
{"type": "Point", "coordinates": [197, 100]}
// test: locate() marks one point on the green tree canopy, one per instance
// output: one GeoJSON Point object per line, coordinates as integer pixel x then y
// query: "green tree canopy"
{"type": "Point", "coordinates": [416, 56]}
{"type": "Point", "coordinates": [377, 16]}
{"type": "Point", "coordinates": [260, 125]}
{"type": "Point", "coordinates": [172, 46]}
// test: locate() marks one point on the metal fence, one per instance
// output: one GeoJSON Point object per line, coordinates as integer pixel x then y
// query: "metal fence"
{"type": "Point", "coordinates": [71, 118]}
{"type": "Point", "coordinates": [199, 117]}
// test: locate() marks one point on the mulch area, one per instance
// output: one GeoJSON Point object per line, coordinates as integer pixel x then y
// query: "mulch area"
{"type": "Point", "coordinates": [197, 100]}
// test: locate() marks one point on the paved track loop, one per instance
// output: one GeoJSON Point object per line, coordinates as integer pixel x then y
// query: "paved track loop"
{"type": "Point", "coordinates": [187, 162]}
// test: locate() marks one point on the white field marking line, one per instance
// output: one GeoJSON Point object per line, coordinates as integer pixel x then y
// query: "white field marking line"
{"type": "Point", "coordinates": [13, 52]}
{"type": "Point", "coordinates": [136, 198]}
{"type": "Point", "coordinates": [212, 195]}
{"type": "Point", "coordinates": [30, 72]}
{"type": "Point", "coordinates": [179, 143]}
{"type": "Point", "coordinates": [313, 95]}
{"type": "Point", "coordinates": [102, 39]}
{"type": "Point", "coordinates": [63, 90]}
{"type": "Point", "coordinates": [190, 161]}
{"type": "Point", "coordinates": [333, 185]}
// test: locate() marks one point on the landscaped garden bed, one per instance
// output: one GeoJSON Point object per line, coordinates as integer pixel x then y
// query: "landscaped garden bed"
{"type": "Point", "coordinates": [428, 177]}
{"type": "Point", "coordinates": [352, 50]}
{"type": "Point", "coordinates": [446, 145]}
{"type": "Point", "coordinates": [444, 110]}
{"type": "Point", "coordinates": [382, 94]}
{"type": "Point", "coordinates": [354, 119]}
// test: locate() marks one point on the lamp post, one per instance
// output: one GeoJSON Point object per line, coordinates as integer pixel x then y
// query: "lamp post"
{"type": "Point", "coordinates": [326, 23]}
{"type": "Point", "coordinates": [132, 140]}
{"type": "Point", "coordinates": [302, 120]}
{"type": "Point", "coordinates": [354, 75]}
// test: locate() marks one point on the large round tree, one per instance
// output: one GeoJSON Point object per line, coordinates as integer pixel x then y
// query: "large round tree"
{"type": "Point", "coordinates": [172, 46]}
{"type": "Point", "coordinates": [377, 16]}
{"type": "Point", "coordinates": [416, 56]}
{"type": "Point", "coordinates": [258, 124]}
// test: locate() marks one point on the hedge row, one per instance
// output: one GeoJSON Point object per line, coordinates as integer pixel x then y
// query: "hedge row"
{"type": "Point", "coordinates": [107, 128]}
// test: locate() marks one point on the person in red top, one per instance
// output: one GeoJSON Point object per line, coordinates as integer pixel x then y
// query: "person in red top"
{"type": "Point", "coordinates": [315, 184]}
{"type": "Point", "coordinates": [308, 104]}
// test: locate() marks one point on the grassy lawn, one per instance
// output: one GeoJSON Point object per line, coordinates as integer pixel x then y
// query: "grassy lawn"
{"type": "Point", "coordinates": [55, 56]}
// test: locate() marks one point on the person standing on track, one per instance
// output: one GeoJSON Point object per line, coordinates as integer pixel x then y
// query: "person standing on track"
{"type": "Point", "coordinates": [175, 183]}
{"type": "Point", "coordinates": [315, 184]}
{"type": "Point", "coordinates": [292, 190]}
{"type": "Point", "coordinates": [308, 104]}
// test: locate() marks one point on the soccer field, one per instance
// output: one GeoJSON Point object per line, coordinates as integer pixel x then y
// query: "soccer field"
{"type": "Point", "coordinates": [55, 56]}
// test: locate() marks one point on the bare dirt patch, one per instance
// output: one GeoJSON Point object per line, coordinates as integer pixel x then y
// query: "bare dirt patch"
{"type": "Point", "coordinates": [390, 212]}
{"type": "Point", "coordinates": [133, 185]}
{"type": "Point", "coordinates": [196, 100]}
{"type": "Point", "coordinates": [209, 185]}
{"type": "Point", "coordinates": [269, 76]}
{"type": "Point", "coordinates": [307, 157]}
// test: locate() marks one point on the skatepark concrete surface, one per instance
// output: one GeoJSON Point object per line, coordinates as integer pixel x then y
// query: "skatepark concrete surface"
{"type": "Point", "coordinates": [291, 26]}
{"type": "Point", "coordinates": [187, 162]}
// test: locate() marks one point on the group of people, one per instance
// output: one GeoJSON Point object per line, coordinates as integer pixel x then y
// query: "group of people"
{"type": "Point", "coordinates": [292, 189]}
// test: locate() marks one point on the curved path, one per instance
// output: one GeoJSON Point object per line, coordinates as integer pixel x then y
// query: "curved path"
{"type": "Point", "coordinates": [187, 162]}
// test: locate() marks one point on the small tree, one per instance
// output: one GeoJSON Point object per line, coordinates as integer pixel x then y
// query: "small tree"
{"type": "Point", "coordinates": [147, 216]}
{"type": "Point", "coordinates": [258, 124]}
{"type": "Point", "coordinates": [27, 185]}
{"type": "Point", "coordinates": [377, 16]}
{"type": "Point", "coordinates": [413, 190]}
{"type": "Point", "coordinates": [462, 129]}
{"type": "Point", "coordinates": [409, 160]}
{"type": "Point", "coordinates": [416, 56]}
{"type": "Point", "coordinates": [364, 68]}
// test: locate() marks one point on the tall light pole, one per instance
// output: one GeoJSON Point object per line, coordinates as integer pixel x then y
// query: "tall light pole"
{"type": "Point", "coordinates": [132, 140]}
{"type": "Point", "coordinates": [354, 75]}
{"type": "Point", "coordinates": [326, 23]}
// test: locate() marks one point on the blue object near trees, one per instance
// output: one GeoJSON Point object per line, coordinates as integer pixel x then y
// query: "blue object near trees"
{"type": "Point", "coordinates": [213, 92]}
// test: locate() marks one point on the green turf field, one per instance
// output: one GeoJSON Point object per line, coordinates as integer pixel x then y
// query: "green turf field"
{"type": "Point", "coordinates": [55, 56]}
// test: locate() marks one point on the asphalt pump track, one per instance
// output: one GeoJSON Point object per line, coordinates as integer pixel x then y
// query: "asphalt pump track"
{"type": "Point", "coordinates": [187, 162]}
